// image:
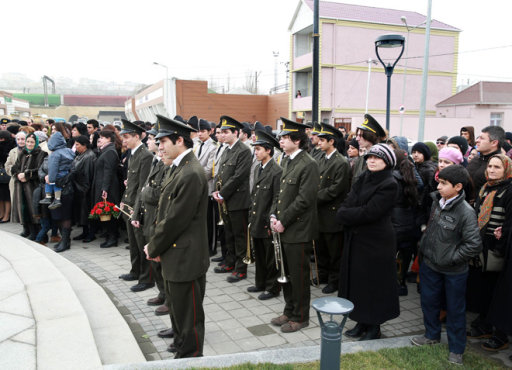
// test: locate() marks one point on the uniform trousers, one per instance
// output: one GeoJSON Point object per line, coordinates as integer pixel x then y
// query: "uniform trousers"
{"type": "Point", "coordinates": [328, 248]}
{"type": "Point", "coordinates": [235, 232]}
{"type": "Point", "coordinates": [141, 267]}
{"type": "Point", "coordinates": [297, 291]}
{"type": "Point", "coordinates": [187, 315]}
{"type": "Point", "coordinates": [266, 271]}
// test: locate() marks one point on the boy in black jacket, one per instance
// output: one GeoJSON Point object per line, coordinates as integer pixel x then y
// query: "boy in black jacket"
{"type": "Point", "coordinates": [451, 239]}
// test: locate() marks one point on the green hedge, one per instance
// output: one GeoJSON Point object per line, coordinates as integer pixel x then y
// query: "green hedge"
{"type": "Point", "coordinates": [38, 99]}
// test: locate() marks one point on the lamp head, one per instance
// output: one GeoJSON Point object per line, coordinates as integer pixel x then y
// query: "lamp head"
{"type": "Point", "coordinates": [403, 18]}
{"type": "Point", "coordinates": [389, 41]}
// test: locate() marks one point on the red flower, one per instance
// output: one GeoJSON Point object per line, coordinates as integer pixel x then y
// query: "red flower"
{"type": "Point", "coordinates": [99, 205]}
{"type": "Point", "coordinates": [98, 211]}
{"type": "Point", "coordinates": [92, 211]}
{"type": "Point", "coordinates": [107, 209]}
{"type": "Point", "coordinates": [116, 209]}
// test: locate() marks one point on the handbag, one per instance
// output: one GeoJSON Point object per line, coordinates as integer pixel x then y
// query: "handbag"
{"type": "Point", "coordinates": [4, 177]}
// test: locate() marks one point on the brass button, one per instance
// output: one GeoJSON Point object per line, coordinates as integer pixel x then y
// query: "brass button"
{"type": "Point", "coordinates": [255, 213]}
{"type": "Point", "coordinates": [278, 201]}
{"type": "Point", "coordinates": [257, 186]}
{"type": "Point", "coordinates": [174, 245]}
{"type": "Point", "coordinates": [320, 176]}
{"type": "Point", "coordinates": [278, 212]}
{"type": "Point", "coordinates": [280, 191]}
{"type": "Point", "coordinates": [284, 181]}
{"type": "Point", "coordinates": [254, 203]}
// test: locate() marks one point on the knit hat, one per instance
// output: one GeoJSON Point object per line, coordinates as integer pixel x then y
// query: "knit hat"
{"type": "Point", "coordinates": [423, 149]}
{"type": "Point", "coordinates": [460, 142]}
{"type": "Point", "coordinates": [402, 143]}
{"type": "Point", "coordinates": [41, 136]}
{"type": "Point", "coordinates": [442, 138]}
{"type": "Point", "coordinates": [433, 150]}
{"type": "Point", "coordinates": [383, 152]}
{"type": "Point", "coordinates": [354, 143]}
{"type": "Point", "coordinates": [451, 154]}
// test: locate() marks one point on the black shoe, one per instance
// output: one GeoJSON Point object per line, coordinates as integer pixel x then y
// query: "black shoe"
{"type": "Point", "coordinates": [315, 282]}
{"type": "Point", "coordinates": [109, 243]}
{"type": "Point", "coordinates": [141, 287]}
{"type": "Point", "coordinates": [217, 259]}
{"type": "Point", "coordinates": [82, 236]}
{"type": "Point", "coordinates": [172, 348]}
{"type": "Point", "coordinates": [65, 242]}
{"type": "Point", "coordinates": [477, 332]}
{"type": "Point", "coordinates": [372, 332]}
{"type": "Point", "coordinates": [128, 277]}
{"type": "Point", "coordinates": [88, 239]}
{"type": "Point", "coordinates": [223, 269]}
{"type": "Point", "coordinates": [254, 289]}
{"type": "Point", "coordinates": [235, 277]}
{"type": "Point", "coordinates": [55, 204]}
{"type": "Point", "coordinates": [356, 331]}
{"type": "Point", "coordinates": [166, 333]}
{"type": "Point", "coordinates": [403, 290]}
{"type": "Point", "coordinates": [46, 201]}
{"type": "Point", "coordinates": [267, 295]}
{"type": "Point", "coordinates": [329, 289]}
{"type": "Point", "coordinates": [495, 344]}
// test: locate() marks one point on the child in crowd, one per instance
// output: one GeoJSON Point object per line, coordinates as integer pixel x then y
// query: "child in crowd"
{"type": "Point", "coordinates": [451, 239]}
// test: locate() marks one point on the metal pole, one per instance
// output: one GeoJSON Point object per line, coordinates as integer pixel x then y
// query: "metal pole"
{"type": "Point", "coordinates": [423, 102]}
{"type": "Point", "coordinates": [388, 100]}
{"type": "Point", "coordinates": [368, 84]}
{"type": "Point", "coordinates": [405, 78]}
{"type": "Point", "coordinates": [316, 56]}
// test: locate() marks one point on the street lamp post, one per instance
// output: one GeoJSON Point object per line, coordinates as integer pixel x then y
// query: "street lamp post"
{"type": "Point", "coordinates": [370, 62]}
{"type": "Point", "coordinates": [167, 98]}
{"type": "Point", "coordinates": [166, 69]}
{"type": "Point", "coordinates": [386, 42]}
{"type": "Point", "coordinates": [409, 29]}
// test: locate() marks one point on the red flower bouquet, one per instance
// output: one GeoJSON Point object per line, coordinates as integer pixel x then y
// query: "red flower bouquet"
{"type": "Point", "coordinates": [104, 211]}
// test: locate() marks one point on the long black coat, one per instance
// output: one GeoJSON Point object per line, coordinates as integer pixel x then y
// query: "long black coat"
{"type": "Point", "coordinates": [368, 269]}
{"type": "Point", "coordinates": [106, 176]}
{"type": "Point", "coordinates": [82, 173]}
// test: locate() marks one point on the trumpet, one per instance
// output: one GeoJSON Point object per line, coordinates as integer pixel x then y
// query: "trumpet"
{"type": "Point", "coordinates": [278, 253]}
{"type": "Point", "coordinates": [223, 208]}
{"type": "Point", "coordinates": [248, 256]}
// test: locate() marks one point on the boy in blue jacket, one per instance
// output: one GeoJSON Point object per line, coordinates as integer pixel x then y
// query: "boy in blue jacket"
{"type": "Point", "coordinates": [450, 240]}
{"type": "Point", "coordinates": [59, 165]}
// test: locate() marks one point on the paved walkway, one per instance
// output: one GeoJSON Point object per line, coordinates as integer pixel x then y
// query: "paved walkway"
{"type": "Point", "coordinates": [236, 321]}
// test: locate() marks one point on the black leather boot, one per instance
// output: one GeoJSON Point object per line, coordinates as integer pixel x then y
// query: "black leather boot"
{"type": "Point", "coordinates": [26, 231]}
{"type": "Point", "coordinates": [65, 243]}
{"type": "Point", "coordinates": [372, 332]}
{"type": "Point", "coordinates": [33, 230]}
{"type": "Point", "coordinates": [356, 331]}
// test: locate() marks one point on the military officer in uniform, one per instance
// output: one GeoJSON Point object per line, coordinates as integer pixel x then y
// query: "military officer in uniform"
{"type": "Point", "coordinates": [144, 216]}
{"type": "Point", "coordinates": [294, 216]}
{"type": "Point", "coordinates": [266, 188]}
{"type": "Point", "coordinates": [180, 240]}
{"type": "Point", "coordinates": [139, 165]}
{"type": "Point", "coordinates": [334, 187]}
{"type": "Point", "coordinates": [316, 152]}
{"type": "Point", "coordinates": [234, 198]}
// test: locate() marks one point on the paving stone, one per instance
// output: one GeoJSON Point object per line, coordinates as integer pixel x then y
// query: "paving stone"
{"type": "Point", "coordinates": [17, 304]}
{"type": "Point", "coordinates": [11, 324]}
{"type": "Point", "coordinates": [15, 355]}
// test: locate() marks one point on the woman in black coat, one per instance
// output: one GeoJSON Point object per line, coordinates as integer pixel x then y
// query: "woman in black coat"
{"type": "Point", "coordinates": [6, 144]}
{"type": "Point", "coordinates": [82, 172]}
{"type": "Point", "coordinates": [106, 184]}
{"type": "Point", "coordinates": [368, 268]}
{"type": "Point", "coordinates": [26, 180]}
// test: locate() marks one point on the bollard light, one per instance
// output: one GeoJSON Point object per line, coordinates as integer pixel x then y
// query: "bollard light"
{"type": "Point", "coordinates": [386, 42]}
{"type": "Point", "coordinates": [330, 346]}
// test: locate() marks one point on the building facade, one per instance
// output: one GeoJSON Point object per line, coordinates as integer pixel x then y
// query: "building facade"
{"type": "Point", "coordinates": [347, 43]}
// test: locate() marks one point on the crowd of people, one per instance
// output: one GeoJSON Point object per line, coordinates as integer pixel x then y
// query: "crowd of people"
{"type": "Point", "coordinates": [367, 211]}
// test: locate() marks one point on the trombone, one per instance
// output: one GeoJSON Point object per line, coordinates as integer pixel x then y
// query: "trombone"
{"type": "Point", "coordinates": [126, 213]}
{"type": "Point", "coordinates": [222, 208]}
{"type": "Point", "coordinates": [248, 256]}
{"type": "Point", "coordinates": [278, 253]}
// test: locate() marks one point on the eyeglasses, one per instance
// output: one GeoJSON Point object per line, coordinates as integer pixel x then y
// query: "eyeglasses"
{"type": "Point", "coordinates": [440, 142]}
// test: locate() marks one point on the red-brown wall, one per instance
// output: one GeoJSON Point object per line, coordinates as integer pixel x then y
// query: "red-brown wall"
{"type": "Point", "coordinates": [193, 99]}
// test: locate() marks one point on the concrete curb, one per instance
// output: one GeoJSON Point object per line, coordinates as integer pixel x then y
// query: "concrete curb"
{"type": "Point", "coordinates": [114, 339]}
{"type": "Point", "coordinates": [277, 356]}
{"type": "Point", "coordinates": [63, 335]}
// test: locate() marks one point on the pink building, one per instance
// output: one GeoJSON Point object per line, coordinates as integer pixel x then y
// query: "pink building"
{"type": "Point", "coordinates": [347, 42]}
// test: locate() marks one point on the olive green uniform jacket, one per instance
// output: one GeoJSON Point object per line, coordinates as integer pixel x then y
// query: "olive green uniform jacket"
{"type": "Point", "coordinates": [334, 187]}
{"type": "Point", "coordinates": [139, 166]}
{"type": "Point", "coordinates": [264, 194]}
{"type": "Point", "coordinates": [234, 171]}
{"type": "Point", "coordinates": [146, 204]}
{"type": "Point", "coordinates": [296, 204]}
{"type": "Point", "coordinates": [181, 238]}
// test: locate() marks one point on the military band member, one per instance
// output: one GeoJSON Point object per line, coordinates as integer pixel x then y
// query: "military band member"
{"type": "Point", "coordinates": [205, 154]}
{"type": "Point", "coordinates": [334, 186]}
{"type": "Point", "coordinates": [180, 240]}
{"type": "Point", "coordinates": [294, 216]}
{"type": "Point", "coordinates": [267, 176]}
{"type": "Point", "coordinates": [139, 165]}
{"type": "Point", "coordinates": [316, 152]}
{"type": "Point", "coordinates": [144, 216]}
{"type": "Point", "coordinates": [234, 198]}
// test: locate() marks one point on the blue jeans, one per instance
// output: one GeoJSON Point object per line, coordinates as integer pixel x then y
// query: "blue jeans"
{"type": "Point", "coordinates": [45, 227]}
{"type": "Point", "coordinates": [50, 188]}
{"type": "Point", "coordinates": [433, 285]}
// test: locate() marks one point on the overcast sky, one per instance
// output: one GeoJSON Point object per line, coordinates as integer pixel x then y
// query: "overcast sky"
{"type": "Point", "coordinates": [116, 40]}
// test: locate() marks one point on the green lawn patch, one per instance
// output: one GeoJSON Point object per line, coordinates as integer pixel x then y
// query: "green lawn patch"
{"type": "Point", "coordinates": [426, 357]}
